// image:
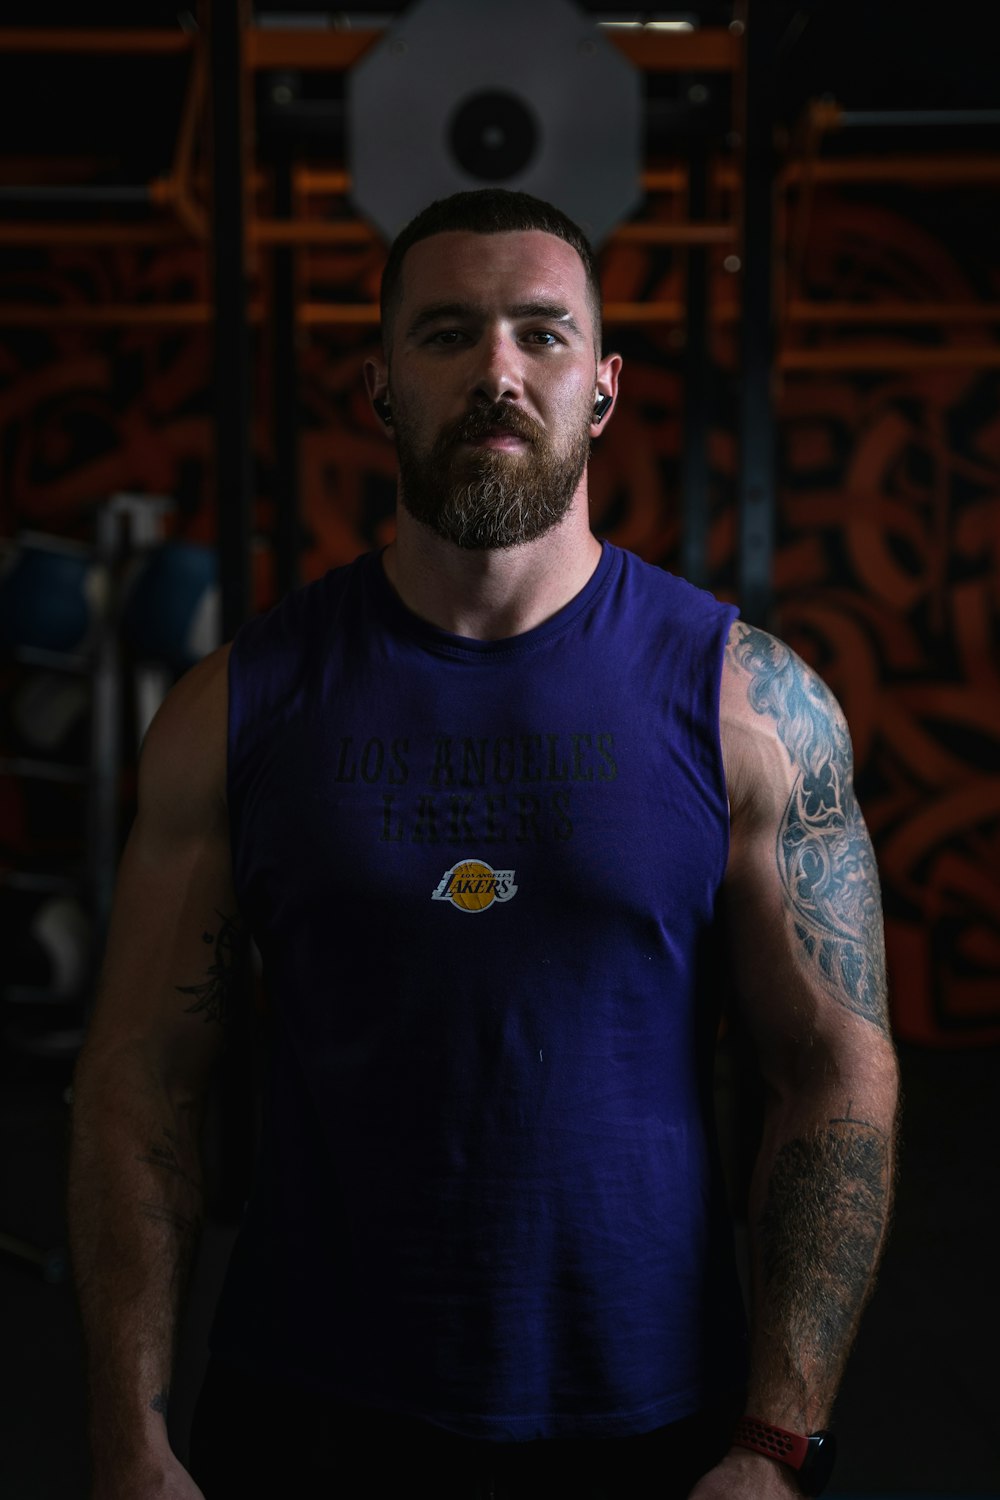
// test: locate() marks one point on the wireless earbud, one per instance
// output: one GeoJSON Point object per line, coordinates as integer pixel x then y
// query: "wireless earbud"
{"type": "Point", "coordinates": [383, 409]}
{"type": "Point", "coordinates": [600, 407]}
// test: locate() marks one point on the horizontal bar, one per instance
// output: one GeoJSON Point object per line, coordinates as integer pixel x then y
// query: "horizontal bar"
{"type": "Point", "coordinates": [19, 765]}
{"type": "Point", "coordinates": [100, 39]}
{"type": "Point", "coordinates": [51, 661]}
{"type": "Point", "coordinates": [310, 232]}
{"type": "Point", "coordinates": [25, 167]}
{"type": "Point", "coordinates": [109, 315]}
{"type": "Point", "coordinates": [323, 49]}
{"type": "Point", "coordinates": [310, 180]}
{"type": "Point", "coordinates": [316, 232]}
{"type": "Point", "coordinates": [946, 169]}
{"type": "Point", "coordinates": [711, 50]}
{"type": "Point", "coordinates": [848, 119]}
{"type": "Point", "coordinates": [36, 994]}
{"type": "Point", "coordinates": [674, 234]}
{"type": "Point", "coordinates": [93, 234]}
{"type": "Point", "coordinates": [334, 314]}
{"type": "Point", "coordinates": [892, 357]}
{"type": "Point", "coordinates": [39, 883]}
{"type": "Point", "coordinates": [643, 312]}
{"type": "Point", "coordinates": [76, 193]}
{"type": "Point", "coordinates": [892, 312]}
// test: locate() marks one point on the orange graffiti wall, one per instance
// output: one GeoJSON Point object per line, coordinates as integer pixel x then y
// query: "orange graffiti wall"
{"type": "Point", "coordinates": [887, 569]}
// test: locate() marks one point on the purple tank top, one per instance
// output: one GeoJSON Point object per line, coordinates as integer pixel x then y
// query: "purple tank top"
{"type": "Point", "coordinates": [482, 877]}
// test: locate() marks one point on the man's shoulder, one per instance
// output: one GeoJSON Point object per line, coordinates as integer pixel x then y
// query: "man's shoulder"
{"type": "Point", "coordinates": [184, 751]}
{"type": "Point", "coordinates": [766, 678]}
{"type": "Point", "coordinates": [197, 701]}
{"type": "Point", "coordinates": [778, 718]}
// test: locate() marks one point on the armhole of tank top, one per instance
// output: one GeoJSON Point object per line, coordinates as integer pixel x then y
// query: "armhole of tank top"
{"type": "Point", "coordinates": [729, 616]}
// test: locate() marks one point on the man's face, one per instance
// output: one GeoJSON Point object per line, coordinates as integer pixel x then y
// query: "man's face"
{"type": "Point", "coordinates": [492, 379]}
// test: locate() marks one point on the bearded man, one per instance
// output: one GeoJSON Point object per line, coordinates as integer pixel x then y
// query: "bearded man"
{"type": "Point", "coordinates": [492, 803]}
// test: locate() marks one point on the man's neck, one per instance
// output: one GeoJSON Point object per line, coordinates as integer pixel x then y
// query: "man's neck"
{"type": "Point", "coordinates": [490, 595]}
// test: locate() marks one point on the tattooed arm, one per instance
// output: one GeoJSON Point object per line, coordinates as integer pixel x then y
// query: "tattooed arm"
{"type": "Point", "coordinates": [804, 917]}
{"type": "Point", "coordinates": [135, 1172]}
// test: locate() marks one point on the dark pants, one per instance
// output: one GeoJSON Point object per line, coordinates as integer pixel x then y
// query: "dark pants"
{"type": "Point", "coordinates": [252, 1437]}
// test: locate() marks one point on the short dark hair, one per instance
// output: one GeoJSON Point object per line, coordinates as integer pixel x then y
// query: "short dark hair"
{"type": "Point", "coordinates": [488, 211]}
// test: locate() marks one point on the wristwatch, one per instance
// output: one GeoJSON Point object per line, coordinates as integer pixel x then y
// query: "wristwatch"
{"type": "Point", "coordinates": [810, 1457]}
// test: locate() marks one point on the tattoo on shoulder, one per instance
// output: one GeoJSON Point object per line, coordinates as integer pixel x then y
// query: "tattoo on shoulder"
{"type": "Point", "coordinates": [213, 996]}
{"type": "Point", "coordinates": [824, 853]}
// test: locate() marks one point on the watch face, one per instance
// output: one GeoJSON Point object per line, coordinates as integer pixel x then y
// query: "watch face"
{"type": "Point", "coordinates": [817, 1466]}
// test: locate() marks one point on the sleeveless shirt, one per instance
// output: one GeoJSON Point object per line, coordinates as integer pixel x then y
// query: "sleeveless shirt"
{"type": "Point", "coordinates": [482, 878]}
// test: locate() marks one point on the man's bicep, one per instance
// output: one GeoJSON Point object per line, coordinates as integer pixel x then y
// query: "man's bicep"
{"type": "Point", "coordinates": [803, 900]}
{"type": "Point", "coordinates": [175, 934]}
{"type": "Point", "coordinates": [166, 986]}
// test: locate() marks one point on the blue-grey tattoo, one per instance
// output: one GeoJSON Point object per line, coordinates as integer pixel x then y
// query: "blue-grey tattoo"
{"type": "Point", "coordinates": [820, 1231]}
{"type": "Point", "coordinates": [824, 853]}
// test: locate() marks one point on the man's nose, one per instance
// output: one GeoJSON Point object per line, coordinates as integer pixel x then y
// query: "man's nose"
{"type": "Point", "coordinates": [497, 374]}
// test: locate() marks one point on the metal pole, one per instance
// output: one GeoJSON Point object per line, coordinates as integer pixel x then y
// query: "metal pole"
{"type": "Point", "coordinates": [233, 453]}
{"type": "Point", "coordinates": [757, 477]}
{"type": "Point", "coordinates": [285, 396]}
{"type": "Point", "coordinates": [234, 481]}
{"type": "Point", "coordinates": [743, 1090]}
{"type": "Point", "coordinates": [697, 384]}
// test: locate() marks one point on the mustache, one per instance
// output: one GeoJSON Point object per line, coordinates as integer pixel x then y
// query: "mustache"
{"type": "Point", "coordinates": [487, 421]}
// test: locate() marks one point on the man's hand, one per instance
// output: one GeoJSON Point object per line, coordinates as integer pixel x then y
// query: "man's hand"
{"type": "Point", "coordinates": [743, 1475]}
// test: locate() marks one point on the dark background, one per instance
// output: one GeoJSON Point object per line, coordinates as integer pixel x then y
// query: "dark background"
{"type": "Point", "coordinates": [886, 575]}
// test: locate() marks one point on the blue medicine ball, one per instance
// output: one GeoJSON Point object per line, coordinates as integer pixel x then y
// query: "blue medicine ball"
{"type": "Point", "coordinates": [171, 610]}
{"type": "Point", "coordinates": [49, 597]}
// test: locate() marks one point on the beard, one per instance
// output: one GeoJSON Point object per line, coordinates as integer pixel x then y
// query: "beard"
{"type": "Point", "coordinates": [487, 499]}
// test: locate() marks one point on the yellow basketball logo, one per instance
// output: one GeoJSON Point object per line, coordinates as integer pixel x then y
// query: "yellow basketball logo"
{"type": "Point", "coordinates": [473, 885]}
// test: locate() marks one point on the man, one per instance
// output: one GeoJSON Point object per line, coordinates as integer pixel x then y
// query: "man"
{"type": "Point", "coordinates": [488, 803]}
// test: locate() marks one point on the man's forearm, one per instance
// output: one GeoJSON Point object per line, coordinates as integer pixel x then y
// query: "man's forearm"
{"type": "Point", "coordinates": [819, 1212]}
{"type": "Point", "coordinates": [135, 1217]}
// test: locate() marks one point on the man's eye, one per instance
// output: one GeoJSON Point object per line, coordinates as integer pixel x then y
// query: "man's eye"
{"type": "Point", "coordinates": [542, 337]}
{"type": "Point", "coordinates": [446, 336]}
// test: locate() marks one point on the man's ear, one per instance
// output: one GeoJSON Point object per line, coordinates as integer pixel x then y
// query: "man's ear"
{"type": "Point", "coordinates": [377, 383]}
{"type": "Point", "coordinates": [606, 392]}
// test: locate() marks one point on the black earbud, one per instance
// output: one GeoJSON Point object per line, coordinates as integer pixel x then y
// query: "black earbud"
{"type": "Point", "coordinates": [383, 410]}
{"type": "Point", "coordinates": [600, 407]}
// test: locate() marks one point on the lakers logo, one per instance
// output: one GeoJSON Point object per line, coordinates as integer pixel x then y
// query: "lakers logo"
{"type": "Point", "coordinates": [473, 885]}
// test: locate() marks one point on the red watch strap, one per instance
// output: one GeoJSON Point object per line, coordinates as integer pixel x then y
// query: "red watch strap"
{"type": "Point", "coordinates": [774, 1442]}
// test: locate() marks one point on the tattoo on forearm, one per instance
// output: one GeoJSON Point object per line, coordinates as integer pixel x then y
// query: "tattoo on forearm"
{"type": "Point", "coordinates": [160, 1402]}
{"type": "Point", "coordinates": [185, 1225]}
{"type": "Point", "coordinates": [166, 1157]}
{"type": "Point", "coordinates": [213, 997]}
{"type": "Point", "coordinates": [824, 853]}
{"type": "Point", "coordinates": [183, 1240]}
{"type": "Point", "coordinates": [821, 1228]}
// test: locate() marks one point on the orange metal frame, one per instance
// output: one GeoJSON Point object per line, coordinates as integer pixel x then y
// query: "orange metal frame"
{"type": "Point", "coordinates": [180, 195]}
